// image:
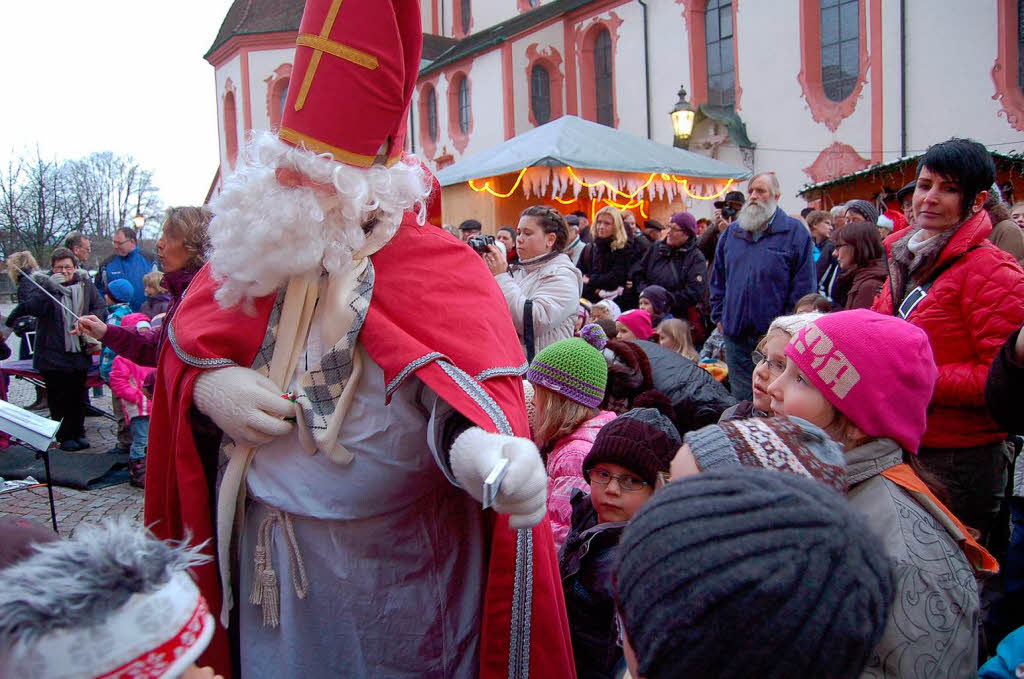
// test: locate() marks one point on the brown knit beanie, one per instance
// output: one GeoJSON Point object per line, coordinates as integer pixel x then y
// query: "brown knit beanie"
{"type": "Point", "coordinates": [642, 440]}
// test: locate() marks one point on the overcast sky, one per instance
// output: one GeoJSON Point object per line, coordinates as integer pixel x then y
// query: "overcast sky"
{"type": "Point", "coordinates": [114, 75]}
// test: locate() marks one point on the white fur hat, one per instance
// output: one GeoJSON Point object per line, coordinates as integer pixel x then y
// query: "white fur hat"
{"type": "Point", "coordinates": [112, 602]}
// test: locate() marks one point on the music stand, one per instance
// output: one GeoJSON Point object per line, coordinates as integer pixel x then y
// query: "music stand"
{"type": "Point", "coordinates": [34, 432]}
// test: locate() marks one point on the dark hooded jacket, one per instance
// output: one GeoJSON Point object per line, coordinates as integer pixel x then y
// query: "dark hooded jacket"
{"type": "Point", "coordinates": [645, 368]}
{"type": "Point", "coordinates": [682, 271]}
{"type": "Point", "coordinates": [587, 564]}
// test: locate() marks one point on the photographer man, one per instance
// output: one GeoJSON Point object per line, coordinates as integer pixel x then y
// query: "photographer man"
{"type": "Point", "coordinates": [725, 214]}
{"type": "Point", "coordinates": [543, 289]}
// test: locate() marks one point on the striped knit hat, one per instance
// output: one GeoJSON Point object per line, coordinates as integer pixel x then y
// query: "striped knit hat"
{"type": "Point", "coordinates": [573, 367]}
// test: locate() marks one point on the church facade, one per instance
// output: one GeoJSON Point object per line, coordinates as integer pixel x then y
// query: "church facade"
{"type": "Point", "coordinates": [809, 89]}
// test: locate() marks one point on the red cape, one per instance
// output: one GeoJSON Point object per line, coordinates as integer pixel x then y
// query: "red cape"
{"type": "Point", "coordinates": [436, 312]}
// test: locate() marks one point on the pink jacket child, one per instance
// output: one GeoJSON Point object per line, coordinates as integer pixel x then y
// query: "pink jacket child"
{"type": "Point", "coordinates": [126, 378]}
{"type": "Point", "coordinates": [565, 472]}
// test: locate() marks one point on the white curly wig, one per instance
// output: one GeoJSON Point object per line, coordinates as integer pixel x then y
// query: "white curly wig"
{"type": "Point", "coordinates": [264, 233]}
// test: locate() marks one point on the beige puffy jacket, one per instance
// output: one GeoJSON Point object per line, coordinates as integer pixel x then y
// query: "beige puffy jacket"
{"type": "Point", "coordinates": [554, 285]}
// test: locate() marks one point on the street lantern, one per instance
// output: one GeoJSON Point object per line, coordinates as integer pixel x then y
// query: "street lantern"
{"type": "Point", "coordinates": [682, 120]}
{"type": "Point", "coordinates": [140, 221]}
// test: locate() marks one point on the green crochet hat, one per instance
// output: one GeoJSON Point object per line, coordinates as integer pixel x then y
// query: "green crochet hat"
{"type": "Point", "coordinates": [573, 368]}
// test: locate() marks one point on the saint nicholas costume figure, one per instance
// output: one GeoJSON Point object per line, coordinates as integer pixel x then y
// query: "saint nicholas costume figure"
{"type": "Point", "coordinates": [339, 405]}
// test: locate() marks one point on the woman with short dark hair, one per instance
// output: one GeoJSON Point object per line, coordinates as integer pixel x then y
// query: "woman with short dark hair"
{"type": "Point", "coordinates": [862, 259]}
{"type": "Point", "coordinates": [543, 289]}
{"type": "Point", "coordinates": [946, 278]}
{"type": "Point", "coordinates": [61, 358]}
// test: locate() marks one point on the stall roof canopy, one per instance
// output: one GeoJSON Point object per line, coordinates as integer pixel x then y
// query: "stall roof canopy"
{"type": "Point", "coordinates": [574, 142]}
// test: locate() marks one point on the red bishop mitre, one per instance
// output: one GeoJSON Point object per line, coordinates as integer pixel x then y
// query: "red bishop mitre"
{"type": "Point", "coordinates": [356, 63]}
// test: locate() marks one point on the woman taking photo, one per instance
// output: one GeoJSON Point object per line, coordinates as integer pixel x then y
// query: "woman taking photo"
{"type": "Point", "coordinates": [181, 250]}
{"type": "Point", "coordinates": [858, 248]}
{"type": "Point", "coordinates": [63, 359]}
{"type": "Point", "coordinates": [974, 301]}
{"type": "Point", "coordinates": [543, 289]}
{"type": "Point", "coordinates": [605, 262]}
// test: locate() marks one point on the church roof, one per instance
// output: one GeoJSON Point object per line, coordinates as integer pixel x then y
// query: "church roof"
{"type": "Point", "coordinates": [251, 17]}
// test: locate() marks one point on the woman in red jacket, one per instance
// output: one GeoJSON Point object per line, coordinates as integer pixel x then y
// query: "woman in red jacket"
{"type": "Point", "coordinates": [858, 248]}
{"type": "Point", "coordinates": [968, 296]}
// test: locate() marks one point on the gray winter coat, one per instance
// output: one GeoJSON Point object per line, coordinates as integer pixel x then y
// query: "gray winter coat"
{"type": "Point", "coordinates": [554, 285]}
{"type": "Point", "coordinates": [933, 627]}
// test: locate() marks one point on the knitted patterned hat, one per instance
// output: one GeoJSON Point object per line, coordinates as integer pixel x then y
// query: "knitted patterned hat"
{"type": "Point", "coordinates": [751, 573]}
{"type": "Point", "coordinates": [877, 370]}
{"type": "Point", "coordinates": [573, 368]}
{"type": "Point", "coordinates": [642, 440]}
{"type": "Point", "coordinates": [787, 444]}
{"type": "Point", "coordinates": [639, 323]}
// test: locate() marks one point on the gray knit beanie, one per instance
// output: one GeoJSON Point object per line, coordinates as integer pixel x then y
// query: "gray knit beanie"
{"type": "Point", "coordinates": [752, 573]}
{"type": "Point", "coordinates": [865, 208]}
{"type": "Point", "coordinates": [788, 444]}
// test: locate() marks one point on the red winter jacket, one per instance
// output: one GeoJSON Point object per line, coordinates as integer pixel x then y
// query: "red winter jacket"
{"type": "Point", "coordinates": [969, 312]}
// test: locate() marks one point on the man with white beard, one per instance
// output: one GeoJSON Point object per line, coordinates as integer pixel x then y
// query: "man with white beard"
{"type": "Point", "coordinates": [764, 263]}
{"type": "Point", "coordinates": [379, 508]}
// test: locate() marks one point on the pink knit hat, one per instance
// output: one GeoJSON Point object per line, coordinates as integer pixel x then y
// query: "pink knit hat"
{"type": "Point", "coordinates": [639, 323]}
{"type": "Point", "coordinates": [877, 370]}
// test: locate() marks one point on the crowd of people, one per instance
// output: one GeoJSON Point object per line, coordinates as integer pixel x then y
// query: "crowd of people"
{"type": "Point", "coordinates": [837, 506]}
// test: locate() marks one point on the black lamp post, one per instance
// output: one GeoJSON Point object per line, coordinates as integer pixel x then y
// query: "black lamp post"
{"type": "Point", "coordinates": [682, 121]}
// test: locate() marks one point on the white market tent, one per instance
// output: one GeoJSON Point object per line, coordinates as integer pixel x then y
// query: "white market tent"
{"type": "Point", "coordinates": [577, 164]}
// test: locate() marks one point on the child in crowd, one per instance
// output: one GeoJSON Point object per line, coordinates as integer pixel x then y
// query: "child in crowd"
{"type": "Point", "coordinates": [658, 302]}
{"type": "Point", "coordinates": [126, 381]}
{"type": "Point", "coordinates": [119, 292]}
{"type": "Point", "coordinates": [113, 601]}
{"type": "Point", "coordinates": [629, 459]}
{"type": "Point", "coordinates": [606, 308]}
{"type": "Point", "coordinates": [674, 334]}
{"type": "Point", "coordinates": [813, 302]}
{"type": "Point", "coordinates": [787, 444]}
{"type": "Point", "coordinates": [751, 573]}
{"type": "Point", "coordinates": [608, 325]}
{"type": "Point", "coordinates": [158, 299]}
{"type": "Point", "coordinates": [867, 379]}
{"type": "Point", "coordinates": [769, 362]}
{"type": "Point", "coordinates": [634, 325]}
{"type": "Point", "coordinates": [568, 379]}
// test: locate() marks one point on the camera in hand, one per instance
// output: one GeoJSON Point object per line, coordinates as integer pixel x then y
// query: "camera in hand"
{"type": "Point", "coordinates": [729, 212]}
{"type": "Point", "coordinates": [481, 243]}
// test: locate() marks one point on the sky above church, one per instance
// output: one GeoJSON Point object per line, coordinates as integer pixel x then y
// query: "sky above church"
{"type": "Point", "coordinates": [126, 76]}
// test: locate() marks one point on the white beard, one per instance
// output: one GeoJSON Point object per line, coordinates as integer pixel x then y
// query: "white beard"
{"type": "Point", "coordinates": [754, 217]}
{"type": "Point", "coordinates": [263, 233]}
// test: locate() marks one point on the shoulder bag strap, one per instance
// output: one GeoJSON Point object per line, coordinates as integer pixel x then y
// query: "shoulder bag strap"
{"type": "Point", "coordinates": [528, 339]}
{"type": "Point", "coordinates": [921, 291]}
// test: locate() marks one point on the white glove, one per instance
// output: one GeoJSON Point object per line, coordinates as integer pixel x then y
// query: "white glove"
{"type": "Point", "coordinates": [523, 492]}
{"type": "Point", "coordinates": [247, 406]}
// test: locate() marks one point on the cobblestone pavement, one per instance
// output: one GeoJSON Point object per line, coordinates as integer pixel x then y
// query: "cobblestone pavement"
{"type": "Point", "coordinates": [74, 507]}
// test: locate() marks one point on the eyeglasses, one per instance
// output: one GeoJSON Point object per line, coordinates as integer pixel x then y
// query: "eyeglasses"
{"type": "Point", "coordinates": [626, 483]}
{"type": "Point", "coordinates": [120, 242]}
{"type": "Point", "coordinates": [774, 367]}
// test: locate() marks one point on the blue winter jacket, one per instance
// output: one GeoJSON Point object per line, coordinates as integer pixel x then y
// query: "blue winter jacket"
{"type": "Point", "coordinates": [132, 268]}
{"type": "Point", "coordinates": [758, 277]}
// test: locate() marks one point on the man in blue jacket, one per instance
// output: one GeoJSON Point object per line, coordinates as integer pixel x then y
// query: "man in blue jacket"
{"type": "Point", "coordinates": [763, 265]}
{"type": "Point", "coordinates": [128, 263]}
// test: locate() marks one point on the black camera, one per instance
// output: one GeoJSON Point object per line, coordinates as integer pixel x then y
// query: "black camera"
{"type": "Point", "coordinates": [729, 212]}
{"type": "Point", "coordinates": [481, 243]}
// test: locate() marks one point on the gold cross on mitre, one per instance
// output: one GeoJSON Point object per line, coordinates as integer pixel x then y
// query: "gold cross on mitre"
{"type": "Point", "coordinates": [320, 44]}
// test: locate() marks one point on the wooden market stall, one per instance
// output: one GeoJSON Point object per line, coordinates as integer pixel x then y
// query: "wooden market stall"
{"type": "Point", "coordinates": [574, 164]}
{"type": "Point", "coordinates": [880, 183]}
